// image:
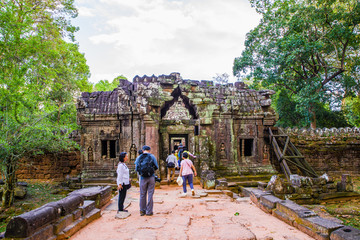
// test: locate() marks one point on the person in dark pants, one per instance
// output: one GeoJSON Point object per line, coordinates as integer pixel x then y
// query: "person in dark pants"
{"type": "Point", "coordinates": [187, 171]}
{"type": "Point", "coordinates": [147, 183]}
{"type": "Point", "coordinates": [123, 180]}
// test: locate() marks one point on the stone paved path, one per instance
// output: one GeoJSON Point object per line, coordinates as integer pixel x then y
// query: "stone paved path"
{"type": "Point", "coordinates": [211, 217]}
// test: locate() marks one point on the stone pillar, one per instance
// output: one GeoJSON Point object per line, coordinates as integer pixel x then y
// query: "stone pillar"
{"type": "Point", "coordinates": [152, 136]}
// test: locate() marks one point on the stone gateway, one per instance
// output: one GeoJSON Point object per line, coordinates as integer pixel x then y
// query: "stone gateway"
{"type": "Point", "coordinates": [223, 125]}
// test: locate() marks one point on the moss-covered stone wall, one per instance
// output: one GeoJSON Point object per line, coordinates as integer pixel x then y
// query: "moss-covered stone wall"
{"type": "Point", "coordinates": [334, 151]}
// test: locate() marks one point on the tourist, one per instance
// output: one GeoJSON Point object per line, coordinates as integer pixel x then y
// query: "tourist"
{"type": "Point", "coordinates": [138, 175]}
{"type": "Point", "coordinates": [171, 163]}
{"type": "Point", "coordinates": [189, 153]}
{"type": "Point", "coordinates": [179, 154]}
{"type": "Point", "coordinates": [177, 158]}
{"type": "Point", "coordinates": [146, 165]}
{"type": "Point", "coordinates": [187, 171]}
{"type": "Point", "coordinates": [122, 180]}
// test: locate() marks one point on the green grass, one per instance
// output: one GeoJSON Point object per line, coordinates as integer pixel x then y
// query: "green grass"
{"type": "Point", "coordinates": [348, 211]}
{"type": "Point", "coordinates": [38, 194]}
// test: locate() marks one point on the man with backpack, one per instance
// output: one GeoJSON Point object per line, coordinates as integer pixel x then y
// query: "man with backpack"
{"type": "Point", "coordinates": [171, 164]}
{"type": "Point", "coordinates": [146, 165]}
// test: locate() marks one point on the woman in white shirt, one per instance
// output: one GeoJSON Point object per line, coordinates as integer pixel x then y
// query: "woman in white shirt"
{"type": "Point", "coordinates": [123, 180]}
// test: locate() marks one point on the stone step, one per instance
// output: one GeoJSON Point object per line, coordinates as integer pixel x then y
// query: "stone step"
{"type": "Point", "coordinates": [99, 184]}
{"type": "Point", "coordinates": [78, 224]}
{"type": "Point", "coordinates": [248, 178]}
{"type": "Point", "coordinates": [100, 180]}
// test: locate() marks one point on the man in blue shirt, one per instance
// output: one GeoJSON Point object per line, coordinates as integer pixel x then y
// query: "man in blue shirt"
{"type": "Point", "coordinates": [147, 183]}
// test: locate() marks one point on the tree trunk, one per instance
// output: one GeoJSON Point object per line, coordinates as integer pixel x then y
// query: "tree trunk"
{"type": "Point", "coordinates": [9, 187]}
{"type": "Point", "coordinates": [313, 118]}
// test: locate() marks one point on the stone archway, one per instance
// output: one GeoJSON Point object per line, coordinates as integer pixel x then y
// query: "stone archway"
{"type": "Point", "coordinates": [179, 97]}
{"type": "Point", "coordinates": [178, 122]}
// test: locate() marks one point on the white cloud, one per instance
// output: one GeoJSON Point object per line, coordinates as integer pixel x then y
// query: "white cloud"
{"type": "Point", "coordinates": [86, 12]}
{"type": "Point", "coordinates": [197, 38]}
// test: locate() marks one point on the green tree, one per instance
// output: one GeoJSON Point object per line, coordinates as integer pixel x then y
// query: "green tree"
{"type": "Point", "coordinates": [352, 110]}
{"type": "Point", "coordinates": [308, 47]}
{"type": "Point", "coordinates": [221, 78]}
{"type": "Point", "coordinates": [41, 70]}
{"type": "Point", "coordinates": [105, 85]}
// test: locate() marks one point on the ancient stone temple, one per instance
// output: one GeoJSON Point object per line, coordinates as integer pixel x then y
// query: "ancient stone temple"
{"type": "Point", "coordinates": [223, 125]}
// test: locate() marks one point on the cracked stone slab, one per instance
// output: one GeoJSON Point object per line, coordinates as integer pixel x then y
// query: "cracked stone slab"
{"type": "Point", "coordinates": [237, 232]}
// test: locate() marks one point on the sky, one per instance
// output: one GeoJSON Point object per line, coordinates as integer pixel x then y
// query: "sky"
{"type": "Point", "coordinates": [197, 38]}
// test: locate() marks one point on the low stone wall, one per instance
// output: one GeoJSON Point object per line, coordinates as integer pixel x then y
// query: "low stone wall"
{"type": "Point", "coordinates": [300, 217]}
{"type": "Point", "coordinates": [306, 190]}
{"type": "Point", "coordinates": [61, 219]}
{"type": "Point", "coordinates": [334, 151]}
{"type": "Point", "coordinates": [50, 166]}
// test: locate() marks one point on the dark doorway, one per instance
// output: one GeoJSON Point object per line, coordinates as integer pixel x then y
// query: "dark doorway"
{"type": "Point", "coordinates": [176, 139]}
{"type": "Point", "coordinates": [246, 147]}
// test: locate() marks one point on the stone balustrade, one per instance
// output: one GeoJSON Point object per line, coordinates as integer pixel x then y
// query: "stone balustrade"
{"type": "Point", "coordinates": [61, 219]}
{"type": "Point", "coordinates": [323, 132]}
{"type": "Point", "coordinates": [301, 217]}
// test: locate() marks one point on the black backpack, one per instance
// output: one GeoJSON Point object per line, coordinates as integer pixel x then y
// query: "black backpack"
{"type": "Point", "coordinates": [146, 166]}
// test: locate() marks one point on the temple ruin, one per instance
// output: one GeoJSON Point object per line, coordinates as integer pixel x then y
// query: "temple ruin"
{"type": "Point", "coordinates": [223, 125]}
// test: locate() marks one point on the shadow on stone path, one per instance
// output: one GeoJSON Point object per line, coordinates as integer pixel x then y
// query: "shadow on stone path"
{"type": "Point", "coordinates": [211, 217]}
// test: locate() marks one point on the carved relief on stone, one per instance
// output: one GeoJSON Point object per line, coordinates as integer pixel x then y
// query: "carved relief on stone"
{"type": "Point", "coordinates": [222, 152]}
{"type": "Point", "coordinates": [177, 111]}
{"type": "Point", "coordinates": [81, 104]}
{"type": "Point", "coordinates": [246, 130]}
{"type": "Point", "coordinates": [133, 152]}
{"type": "Point", "coordinates": [90, 154]}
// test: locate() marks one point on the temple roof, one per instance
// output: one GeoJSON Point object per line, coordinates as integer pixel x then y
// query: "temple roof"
{"type": "Point", "coordinates": [101, 102]}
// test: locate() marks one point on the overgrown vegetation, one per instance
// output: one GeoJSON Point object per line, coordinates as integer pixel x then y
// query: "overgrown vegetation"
{"type": "Point", "coordinates": [39, 193]}
{"type": "Point", "coordinates": [308, 52]}
{"type": "Point", "coordinates": [41, 73]}
{"type": "Point", "coordinates": [348, 211]}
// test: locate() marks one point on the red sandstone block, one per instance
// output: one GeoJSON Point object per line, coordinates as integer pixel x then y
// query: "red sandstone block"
{"type": "Point", "coordinates": [310, 232]}
{"type": "Point", "coordinates": [283, 217]}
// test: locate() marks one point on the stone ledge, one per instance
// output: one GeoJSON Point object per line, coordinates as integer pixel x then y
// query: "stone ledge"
{"type": "Point", "coordinates": [78, 224]}
{"type": "Point", "coordinates": [47, 222]}
{"type": "Point", "coordinates": [345, 233]}
{"type": "Point", "coordinates": [302, 218]}
{"type": "Point", "coordinates": [268, 202]}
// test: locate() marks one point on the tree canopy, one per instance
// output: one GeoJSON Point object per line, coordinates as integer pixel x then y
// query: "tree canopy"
{"type": "Point", "coordinates": [41, 70]}
{"type": "Point", "coordinates": [105, 85]}
{"type": "Point", "coordinates": [306, 48]}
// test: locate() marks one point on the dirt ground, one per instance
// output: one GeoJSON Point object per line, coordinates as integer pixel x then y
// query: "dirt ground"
{"type": "Point", "coordinates": [215, 216]}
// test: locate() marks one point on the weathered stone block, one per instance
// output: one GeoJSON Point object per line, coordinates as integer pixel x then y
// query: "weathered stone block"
{"type": "Point", "coordinates": [28, 223]}
{"type": "Point", "coordinates": [101, 195]}
{"type": "Point", "coordinates": [311, 232]}
{"type": "Point", "coordinates": [72, 228]}
{"type": "Point", "coordinates": [94, 214]}
{"type": "Point", "coordinates": [268, 202]}
{"type": "Point", "coordinates": [77, 214]}
{"type": "Point", "coordinates": [63, 223]}
{"type": "Point", "coordinates": [68, 204]}
{"type": "Point", "coordinates": [319, 225]}
{"type": "Point", "coordinates": [43, 233]}
{"type": "Point", "coordinates": [345, 233]}
{"type": "Point", "coordinates": [294, 210]}
{"type": "Point", "coordinates": [255, 194]}
{"type": "Point", "coordinates": [283, 217]}
{"type": "Point", "coordinates": [88, 206]}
